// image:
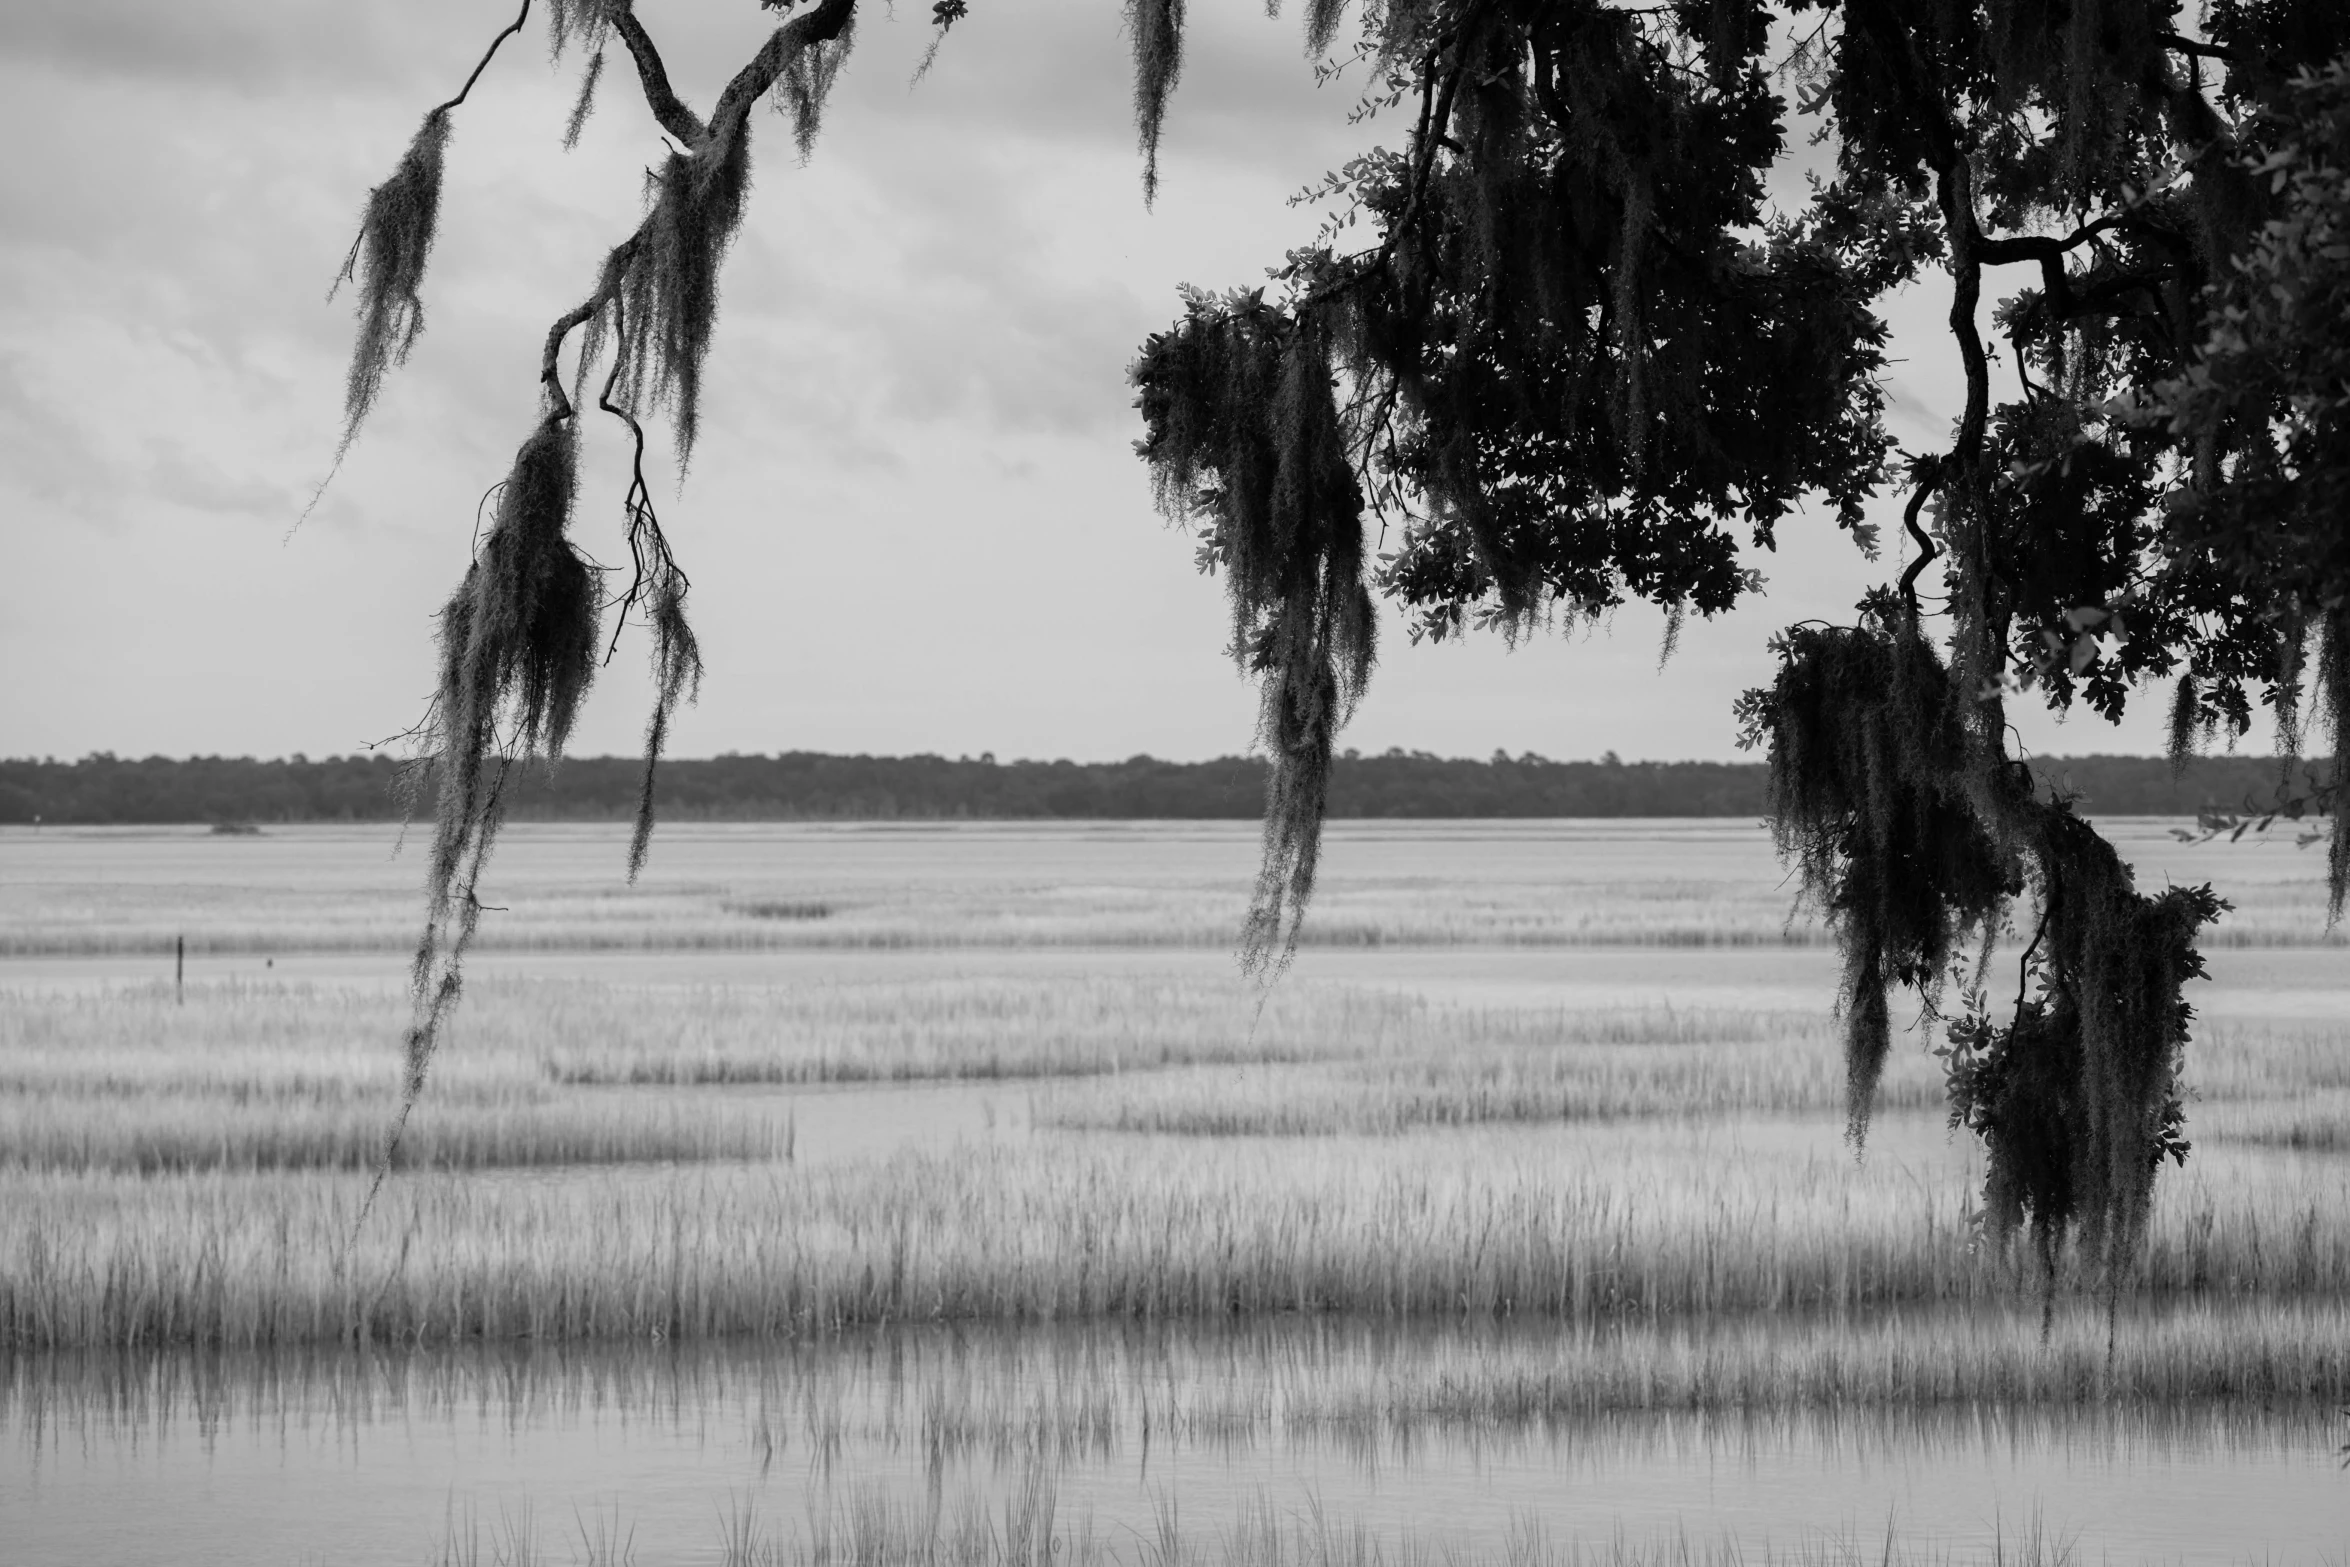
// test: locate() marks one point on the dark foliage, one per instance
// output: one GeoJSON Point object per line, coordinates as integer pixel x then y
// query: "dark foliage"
{"type": "Point", "coordinates": [2264, 410]}
{"type": "Point", "coordinates": [1578, 350]}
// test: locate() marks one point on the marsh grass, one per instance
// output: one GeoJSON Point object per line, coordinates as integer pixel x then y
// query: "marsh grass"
{"type": "Point", "coordinates": [610, 1162]}
{"type": "Point", "coordinates": [1529, 1084]}
{"type": "Point", "coordinates": [2283, 1085]}
{"type": "Point", "coordinates": [737, 918]}
{"type": "Point", "coordinates": [520, 1038]}
{"type": "Point", "coordinates": [1639, 1220]}
{"type": "Point", "coordinates": [151, 1135]}
{"type": "Point", "coordinates": [184, 1174]}
{"type": "Point", "coordinates": [1697, 886]}
{"type": "Point", "coordinates": [733, 919]}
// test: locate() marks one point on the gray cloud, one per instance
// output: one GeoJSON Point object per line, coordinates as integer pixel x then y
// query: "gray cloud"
{"type": "Point", "coordinates": [1065, 75]}
{"type": "Point", "coordinates": [238, 45]}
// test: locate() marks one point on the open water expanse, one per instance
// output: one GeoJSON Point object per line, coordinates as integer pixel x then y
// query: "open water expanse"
{"type": "Point", "coordinates": [550, 1451]}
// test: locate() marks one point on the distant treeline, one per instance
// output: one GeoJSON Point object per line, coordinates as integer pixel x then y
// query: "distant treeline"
{"type": "Point", "coordinates": [805, 785]}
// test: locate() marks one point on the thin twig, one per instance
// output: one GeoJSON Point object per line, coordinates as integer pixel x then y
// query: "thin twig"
{"type": "Point", "coordinates": [488, 55]}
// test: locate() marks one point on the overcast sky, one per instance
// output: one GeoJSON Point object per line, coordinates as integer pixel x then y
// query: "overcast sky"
{"type": "Point", "coordinates": [914, 522]}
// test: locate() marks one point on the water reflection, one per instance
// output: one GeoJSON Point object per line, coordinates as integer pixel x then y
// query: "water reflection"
{"type": "Point", "coordinates": [358, 1456]}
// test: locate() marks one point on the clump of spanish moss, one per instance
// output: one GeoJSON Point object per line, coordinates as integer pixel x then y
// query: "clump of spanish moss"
{"type": "Point", "coordinates": [386, 266]}
{"type": "Point", "coordinates": [584, 23]}
{"type": "Point", "coordinates": [677, 672]}
{"type": "Point", "coordinates": [806, 82]}
{"type": "Point", "coordinates": [585, 104]}
{"type": "Point", "coordinates": [2018, 1089]}
{"type": "Point", "coordinates": [1876, 795]}
{"type": "Point", "coordinates": [518, 643]}
{"type": "Point", "coordinates": [1157, 26]}
{"type": "Point", "coordinates": [1322, 19]}
{"type": "Point", "coordinates": [2186, 717]}
{"type": "Point", "coordinates": [2122, 960]}
{"type": "Point", "coordinates": [1868, 750]}
{"type": "Point", "coordinates": [660, 587]}
{"type": "Point", "coordinates": [1245, 433]}
{"type": "Point", "coordinates": [667, 274]}
{"type": "Point", "coordinates": [2078, 1099]}
{"type": "Point", "coordinates": [587, 25]}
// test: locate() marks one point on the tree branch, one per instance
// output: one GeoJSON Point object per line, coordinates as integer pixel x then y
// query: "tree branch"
{"type": "Point", "coordinates": [1958, 211]}
{"type": "Point", "coordinates": [2178, 44]}
{"type": "Point", "coordinates": [2042, 248]}
{"type": "Point", "coordinates": [1928, 483]}
{"type": "Point", "coordinates": [550, 375]}
{"type": "Point", "coordinates": [675, 118]}
{"type": "Point", "coordinates": [488, 55]}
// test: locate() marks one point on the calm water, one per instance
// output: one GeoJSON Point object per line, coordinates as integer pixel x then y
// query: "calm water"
{"type": "Point", "coordinates": [353, 1459]}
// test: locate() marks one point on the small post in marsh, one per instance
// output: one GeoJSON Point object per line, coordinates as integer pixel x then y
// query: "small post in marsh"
{"type": "Point", "coordinates": [179, 970]}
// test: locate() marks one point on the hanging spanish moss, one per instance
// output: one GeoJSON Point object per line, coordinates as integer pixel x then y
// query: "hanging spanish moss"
{"type": "Point", "coordinates": [2285, 694]}
{"type": "Point", "coordinates": [677, 672]}
{"type": "Point", "coordinates": [386, 266]}
{"type": "Point", "coordinates": [659, 586]}
{"type": "Point", "coordinates": [2018, 1089]}
{"type": "Point", "coordinates": [585, 104]}
{"type": "Point", "coordinates": [387, 259]}
{"type": "Point", "coordinates": [1157, 26]}
{"type": "Point", "coordinates": [2122, 961]}
{"type": "Point", "coordinates": [2078, 1099]}
{"type": "Point", "coordinates": [1322, 19]}
{"type": "Point", "coordinates": [2186, 717]}
{"type": "Point", "coordinates": [667, 283]}
{"type": "Point", "coordinates": [1867, 754]}
{"type": "Point", "coordinates": [1244, 433]}
{"type": "Point", "coordinates": [806, 82]}
{"type": "Point", "coordinates": [518, 643]}
{"type": "Point", "coordinates": [584, 23]}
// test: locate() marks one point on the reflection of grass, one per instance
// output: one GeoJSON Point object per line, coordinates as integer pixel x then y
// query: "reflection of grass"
{"type": "Point", "coordinates": [977, 1398]}
{"type": "Point", "coordinates": [1027, 1526]}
